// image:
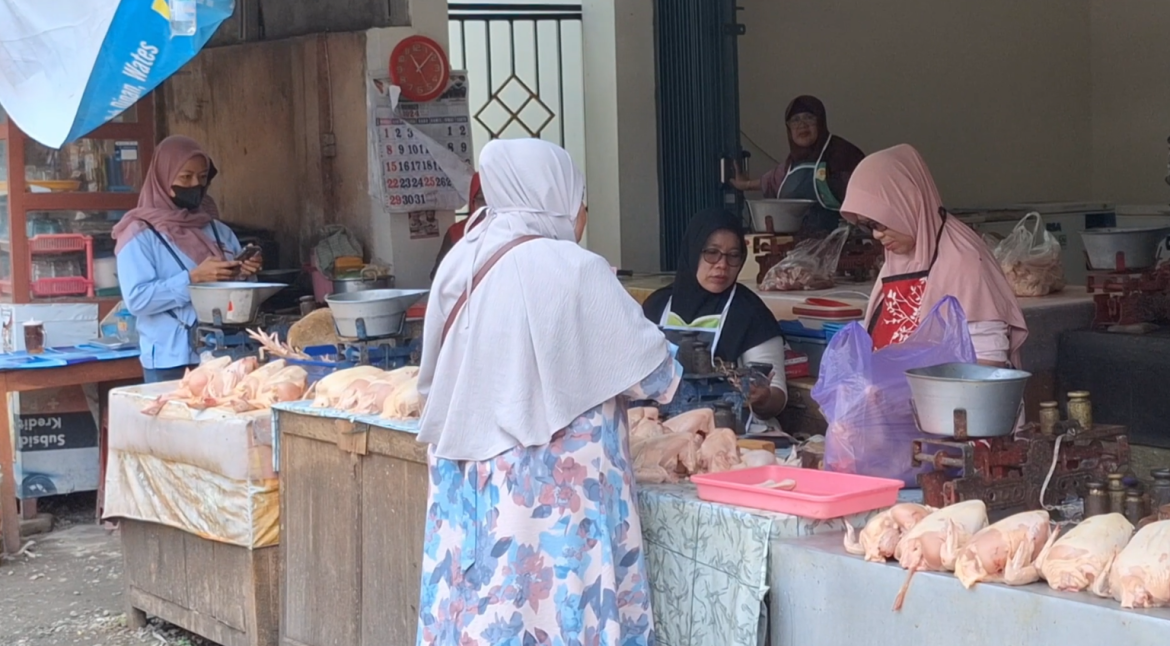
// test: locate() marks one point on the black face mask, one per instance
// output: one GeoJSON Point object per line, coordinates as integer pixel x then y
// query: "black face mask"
{"type": "Point", "coordinates": [188, 197]}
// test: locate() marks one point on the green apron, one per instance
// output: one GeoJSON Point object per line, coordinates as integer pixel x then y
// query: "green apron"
{"type": "Point", "coordinates": [809, 181]}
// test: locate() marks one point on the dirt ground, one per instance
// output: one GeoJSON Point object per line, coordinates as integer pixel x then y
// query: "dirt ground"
{"type": "Point", "coordinates": [66, 588]}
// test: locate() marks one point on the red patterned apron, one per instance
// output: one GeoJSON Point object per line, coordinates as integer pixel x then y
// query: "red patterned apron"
{"type": "Point", "coordinates": [897, 313]}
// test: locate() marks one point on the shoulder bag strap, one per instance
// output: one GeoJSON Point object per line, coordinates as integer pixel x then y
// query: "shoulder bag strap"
{"type": "Point", "coordinates": [491, 262]}
{"type": "Point", "coordinates": [166, 245]}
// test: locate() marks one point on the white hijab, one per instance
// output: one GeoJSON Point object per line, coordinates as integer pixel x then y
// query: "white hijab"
{"type": "Point", "coordinates": [549, 333]}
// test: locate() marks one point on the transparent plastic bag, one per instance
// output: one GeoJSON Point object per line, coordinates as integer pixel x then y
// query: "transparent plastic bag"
{"type": "Point", "coordinates": [811, 265]}
{"type": "Point", "coordinates": [865, 397]}
{"type": "Point", "coordinates": [1031, 258]}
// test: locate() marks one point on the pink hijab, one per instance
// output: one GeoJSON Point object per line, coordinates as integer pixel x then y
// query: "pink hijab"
{"type": "Point", "coordinates": [893, 187]}
{"type": "Point", "coordinates": [183, 227]}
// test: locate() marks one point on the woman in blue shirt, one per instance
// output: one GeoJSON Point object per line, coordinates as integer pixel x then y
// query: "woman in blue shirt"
{"type": "Point", "coordinates": [173, 239]}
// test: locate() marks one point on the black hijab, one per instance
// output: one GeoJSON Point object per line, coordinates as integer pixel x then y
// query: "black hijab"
{"type": "Point", "coordinates": [749, 322]}
{"type": "Point", "coordinates": [840, 158]}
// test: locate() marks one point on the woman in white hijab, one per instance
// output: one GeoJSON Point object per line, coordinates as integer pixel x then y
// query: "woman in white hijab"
{"type": "Point", "coordinates": [531, 350]}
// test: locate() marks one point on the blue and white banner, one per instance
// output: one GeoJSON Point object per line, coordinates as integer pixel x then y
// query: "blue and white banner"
{"type": "Point", "coordinates": [68, 66]}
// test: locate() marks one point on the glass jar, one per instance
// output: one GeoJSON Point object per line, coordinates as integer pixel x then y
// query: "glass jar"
{"type": "Point", "coordinates": [1080, 409]}
{"type": "Point", "coordinates": [1116, 491]}
{"type": "Point", "coordinates": [1096, 500]}
{"type": "Point", "coordinates": [1160, 490]}
{"type": "Point", "coordinates": [1049, 417]}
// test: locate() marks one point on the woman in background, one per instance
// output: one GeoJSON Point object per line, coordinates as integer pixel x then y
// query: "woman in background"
{"type": "Point", "coordinates": [456, 231]}
{"type": "Point", "coordinates": [929, 255]}
{"type": "Point", "coordinates": [705, 297]}
{"type": "Point", "coordinates": [531, 352]}
{"type": "Point", "coordinates": [172, 240]}
{"type": "Point", "coordinates": [818, 166]}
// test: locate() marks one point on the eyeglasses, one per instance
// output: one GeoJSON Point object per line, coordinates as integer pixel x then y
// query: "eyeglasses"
{"type": "Point", "coordinates": [803, 118]}
{"type": "Point", "coordinates": [869, 226]}
{"type": "Point", "coordinates": [713, 256]}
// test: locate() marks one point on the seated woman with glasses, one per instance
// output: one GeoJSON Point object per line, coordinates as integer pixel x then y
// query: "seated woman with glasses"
{"type": "Point", "coordinates": [706, 298]}
{"type": "Point", "coordinates": [818, 167]}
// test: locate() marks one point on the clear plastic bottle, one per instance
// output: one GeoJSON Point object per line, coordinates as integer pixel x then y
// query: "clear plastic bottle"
{"type": "Point", "coordinates": [182, 17]}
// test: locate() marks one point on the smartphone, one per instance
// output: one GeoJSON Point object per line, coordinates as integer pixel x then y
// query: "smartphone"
{"type": "Point", "coordinates": [247, 253]}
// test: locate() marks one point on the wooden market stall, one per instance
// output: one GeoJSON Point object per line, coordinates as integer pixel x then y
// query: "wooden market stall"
{"type": "Point", "coordinates": [198, 506]}
{"type": "Point", "coordinates": [353, 504]}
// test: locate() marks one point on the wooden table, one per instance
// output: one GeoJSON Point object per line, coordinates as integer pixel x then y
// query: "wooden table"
{"type": "Point", "coordinates": [16, 381]}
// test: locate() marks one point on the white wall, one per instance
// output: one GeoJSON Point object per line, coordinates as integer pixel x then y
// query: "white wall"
{"type": "Point", "coordinates": [412, 259]}
{"type": "Point", "coordinates": [1131, 99]}
{"type": "Point", "coordinates": [993, 92]}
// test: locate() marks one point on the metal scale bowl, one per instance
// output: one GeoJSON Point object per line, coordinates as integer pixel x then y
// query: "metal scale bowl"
{"type": "Point", "coordinates": [371, 325]}
{"type": "Point", "coordinates": [224, 311]}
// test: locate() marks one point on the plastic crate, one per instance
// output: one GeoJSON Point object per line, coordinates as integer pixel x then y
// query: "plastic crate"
{"type": "Point", "coordinates": [68, 286]}
{"type": "Point", "coordinates": [58, 243]}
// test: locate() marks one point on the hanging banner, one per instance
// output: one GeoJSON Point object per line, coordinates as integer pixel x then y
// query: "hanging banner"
{"type": "Point", "coordinates": [424, 149]}
{"type": "Point", "coordinates": [68, 66]}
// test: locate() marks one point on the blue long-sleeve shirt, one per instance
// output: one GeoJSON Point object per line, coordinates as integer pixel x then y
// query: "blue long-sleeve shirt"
{"type": "Point", "coordinates": [153, 284]}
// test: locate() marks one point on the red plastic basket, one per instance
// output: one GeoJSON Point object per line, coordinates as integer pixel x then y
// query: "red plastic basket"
{"type": "Point", "coordinates": [68, 286]}
{"type": "Point", "coordinates": [58, 243]}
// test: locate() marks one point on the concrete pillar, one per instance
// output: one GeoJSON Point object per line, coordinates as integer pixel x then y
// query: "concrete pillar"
{"type": "Point", "coordinates": [621, 126]}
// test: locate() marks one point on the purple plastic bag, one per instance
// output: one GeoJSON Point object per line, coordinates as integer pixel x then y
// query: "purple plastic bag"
{"type": "Point", "coordinates": [865, 396]}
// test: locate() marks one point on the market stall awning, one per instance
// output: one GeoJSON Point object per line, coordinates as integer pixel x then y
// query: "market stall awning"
{"type": "Point", "coordinates": [68, 66]}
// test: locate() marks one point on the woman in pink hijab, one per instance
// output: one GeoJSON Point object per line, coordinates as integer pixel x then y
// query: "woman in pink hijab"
{"type": "Point", "coordinates": [929, 255]}
{"type": "Point", "coordinates": [172, 240]}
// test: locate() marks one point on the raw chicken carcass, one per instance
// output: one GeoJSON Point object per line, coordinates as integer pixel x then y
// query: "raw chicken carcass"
{"type": "Point", "coordinates": [700, 420]}
{"type": "Point", "coordinates": [404, 402]}
{"type": "Point", "coordinates": [328, 390]}
{"type": "Point", "coordinates": [719, 451]}
{"type": "Point", "coordinates": [1140, 575]}
{"type": "Point", "coordinates": [934, 543]}
{"type": "Point", "coordinates": [191, 387]}
{"type": "Point", "coordinates": [646, 427]}
{"type": "Point", "coordinates": [657, 459]}
{"type": "Point", "coordinates": [250, 385]}
{"type": "Point", "coordinates": [638, 413]}
{"type": "Point", "coordinates": [1079, 557]}
{"type": "Point", "coordinates": [881, 534]}
{"type": "Point", "coordinates": [222, 384]}
{"type": "Point", "coordinates": [1005, 552]}
{"type": "Point", "coordinates": [288, 384]}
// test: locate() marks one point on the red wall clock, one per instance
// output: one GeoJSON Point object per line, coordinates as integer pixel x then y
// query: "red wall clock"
{"type": "Point", "coordinates": [419, 66]}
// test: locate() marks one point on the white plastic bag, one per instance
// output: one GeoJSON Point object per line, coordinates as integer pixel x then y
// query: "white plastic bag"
{"type": "Point", "coordinates": [1031, 258]}
{"type": "Point", "coordinates": [811, 265]}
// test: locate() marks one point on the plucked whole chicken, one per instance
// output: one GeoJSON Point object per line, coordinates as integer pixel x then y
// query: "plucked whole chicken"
{"type": "Point", "coordinates": [366, 390]}
{"type": "Point", "coordinates": [879, 538]}
{"type": "Point", "coordinates": [685, 445]}
{"type": "Point", "coordinates": [934, 542]}
{"type": "Point", "coordinates": [1139, 577]}
{"type": "Point", "coordinates": [242, 385]}
{"type": "Point", "coordinates": [1080, 556]}
{"type": "Point", "coordinates": [1006, 551]}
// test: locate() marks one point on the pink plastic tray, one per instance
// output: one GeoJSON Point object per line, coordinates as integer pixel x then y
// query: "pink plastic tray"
{"type": "Point", "coordinates": [818, 494]}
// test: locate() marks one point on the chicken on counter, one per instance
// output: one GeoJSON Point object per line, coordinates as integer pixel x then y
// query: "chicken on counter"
{"type": "Point", "coordinates": [1140, 575]}
{"type": "Point", "coordinates": [881, 534]}
{"type": "Point", "coordinates": [192, 387]}
{"type": "Point", "coordinates": [366, 390]}
{"type": "Point", "coordinates": [1006, 551]}
{"type": "Point", "coordinates": [1082, 555]}
{"type": "Point", "coordinates": [686, 445]}
{"type": "Point", "coordinates": [934, 543]}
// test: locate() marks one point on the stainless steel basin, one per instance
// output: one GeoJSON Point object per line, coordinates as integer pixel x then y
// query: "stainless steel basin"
{"type": "Point", "coordinates": [957, 399]}
{"type": "Point", "coordinates": [235, 303]}
{"type": "Point", "coordinates": [372, 314]}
